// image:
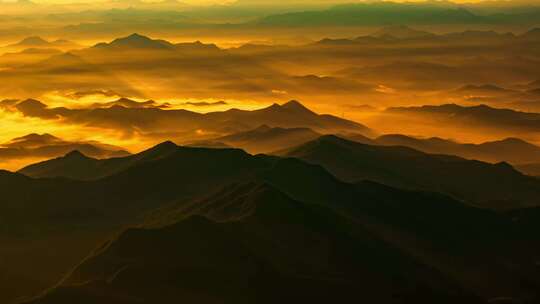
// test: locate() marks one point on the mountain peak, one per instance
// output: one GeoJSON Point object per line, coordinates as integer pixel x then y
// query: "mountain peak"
{"type": "Point", "coordinates": [32, 102]}
{"type": "Point", "coordinates": [33, 40]}
{"type": "Point", "coordinates": [164, 146]}
{"type": "Point", "coordinates": [295, 105]}
{"type": "Point", "coordinates": [35, 136]}
{"type": "Point", "coordinates": [75, 154]}
{"type": "Point", "coordinates": [401, 32]}
{"type": "Point", "coordinates": [136, 40]}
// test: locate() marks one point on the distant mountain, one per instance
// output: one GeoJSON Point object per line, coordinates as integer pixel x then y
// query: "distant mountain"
{"type": "Point", "coordinates": [467, 180]}
{"type": "Point", "coordinates": [401, 32]}
{"type": "Point", "coordinates": [484, 89]}
{"type": "Point", "coordinates": [78, 166]}
{"type": "Point", "coordinates": [39, 43]}
{"type": "Point", "coordinates": [393, 13]}
{"type": "Point", "coordinates": [265, 139]}
{"type": "Point", "coordinates": [383, 13]}
{"type": "Point", "coordinates": [32, 42]}
{"type": "Point", "coordinates": [206, 104]}
{"type": "Point", "coordinates": [513, 150]}
{"type": "Point", "coordinates": [62, 63]}
{"type": "Point", "coordinates": [292, 114]}
{"type": "Point", "coordinates": [155, 120]}
{"type": "Point", "coordinates": [44, 146]}
{"type": "Point", "coordinates": [129, 103]}
{"type": "Point", "coordinates": [481, 115]}
{"type": "Point", "coordinates": [136, 41]}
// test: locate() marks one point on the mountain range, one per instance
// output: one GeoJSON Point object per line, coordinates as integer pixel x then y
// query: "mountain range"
{"type": "Point", "coordinates": [512, 150]}
{"type": "Point", "coordinates": [268, 140]}
{"type": "Point", "coordinates": [381, 13]}
{"type": "Point", "coordinates": [155, 120]}
{"type": "Point", "coordinates": [45, 146]}
{"type": "Point", "coordinates": [481, 115]}
{"type": "Point", "coordinates": [403, 167]}
{"type": "Point", "coordinates": [277, 221]}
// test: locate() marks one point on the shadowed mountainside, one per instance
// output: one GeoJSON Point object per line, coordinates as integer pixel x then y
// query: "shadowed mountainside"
{"type": "Point", "coordinates": [76, 165]}
{"type": "Point", "coordinates": [467, 180]}
{"type": "Point", "coordinates": [173, 187]}
{"type": "Point", "coordinates": [244, 244]}
{"type": "Point", "coordinates": [512, 150]}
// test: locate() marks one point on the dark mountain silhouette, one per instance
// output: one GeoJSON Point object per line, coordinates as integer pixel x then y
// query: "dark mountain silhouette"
{"type": "Point", "coordinates": [419, 230]}
{"type": "Point", "coordinates": [136, 41]}
{"type": "Point", "coordinates": [265, 139]}
{"type": "Point", "coordinates": [229, 253]}
{"type": "Point", "coordinates": [401, 32]}
{"type": "Point", "coordinates": [512, 150]}
{"type": "Point", "coordinates": [78, 166]}
{"type": "Point", "coordinates": [471, 181]}
{"type": "Point", "coordinates": [47, 146]}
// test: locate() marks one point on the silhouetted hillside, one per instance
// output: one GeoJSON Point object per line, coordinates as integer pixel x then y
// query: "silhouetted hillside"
{"type": "Point", "coordinates": [262, 242]}
{"type": "Point", "coordinates": [472, 181]}
{"type": "Point", "coordinates": [512, 150]}
{"type": "Point", "coordinates": [76, 165]}
{"type": "Point", "coordinates": [168, 189]}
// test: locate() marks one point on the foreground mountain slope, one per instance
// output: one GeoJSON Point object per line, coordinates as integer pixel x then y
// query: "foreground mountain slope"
{"type": "Point", "coordinates": [472, 181]}
{"type": "Point", "coordinates": [50, 224]}
{"type": "Point", "coordinates": [250, 244]}
{"type": "Point", "coordinates": [496, 251]}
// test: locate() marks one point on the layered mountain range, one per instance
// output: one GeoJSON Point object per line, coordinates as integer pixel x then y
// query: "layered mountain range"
{"type": "Point", "coordinates": [220, 224]}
